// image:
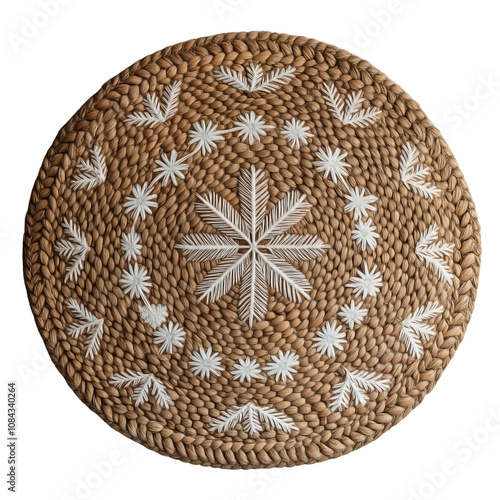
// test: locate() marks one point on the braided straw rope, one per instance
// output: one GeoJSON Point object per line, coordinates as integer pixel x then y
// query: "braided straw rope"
{"type": "Point", "coordinates": [182, 429]}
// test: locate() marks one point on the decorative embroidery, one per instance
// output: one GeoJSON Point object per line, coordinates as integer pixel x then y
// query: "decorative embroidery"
{"type": "Point", "coordinates": [253, 418]}
{"type": "Point", "coordinates": [413, 328]}
{"type": "Point", "coordinates": [330, 338]}
{"type": "Point", "coordinates": [331, 164]}
{"type": "Point", "coordinates": [366, 283]}
{"type": "Point", "coordinates": [141, 202]}
{"type": "Point", "coordinates": [355, 386]}
{"type": "Point", "coordinates": [282, 365]}
{"type": "Point", "coordinates": [130, 245]}
{"type": "Point", "coordinates": [75, 248]}
{"type": "Point", "coordinates": [246, 369]}
{"type": "Point", "coordinates": [87, 323]}
{"type": "Point", "coordinates": [255, 79]}
{"type": "Point", "coordinates": [352, 314]}
{"type": "Point", "coordinates": [365, 234]}
{"type": "Point", "coordinates": [413, 174]}
{"type": "Point", "coordinates": [170, 168]}
{"type": "Point", "coordinates": [92, 172]}
{"type": "Point", "coordinates": [168, 337]}
{"type": "Point", "coordinates": [157, 112]}
{"type": "Point", "coordinates": [297, 132]}
{"type": "Point", "coordinates": [247, 262]}
{"type": "Point", "coordinates": [205, 363]}
{"type": "Point", "coordinates": [143, 384]}
{"type": "Point", "coordinates": [250, 127]}
{"type": "Point", "coordinates": [433, 253]}
{"type": "Point", "coordinates": [359, 203]}
{"type": "Point", "coordinates": [350, 111]}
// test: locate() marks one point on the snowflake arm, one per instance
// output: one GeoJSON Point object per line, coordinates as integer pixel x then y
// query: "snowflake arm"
{"type": "Point", "coordinates": [413, 174]}
{"type": "Point", "coordinates": [92, 171]}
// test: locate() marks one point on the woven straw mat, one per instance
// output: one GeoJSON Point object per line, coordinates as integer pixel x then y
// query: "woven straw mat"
{"type": "Point", "coordinates": [251, 250]}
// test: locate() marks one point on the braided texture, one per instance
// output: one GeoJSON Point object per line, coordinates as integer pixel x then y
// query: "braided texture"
{"type": "Point", "coordinates": [98, 330]}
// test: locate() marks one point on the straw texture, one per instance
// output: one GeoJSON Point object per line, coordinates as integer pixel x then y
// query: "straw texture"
{"type": "Point", "coordinates": [116, 293]}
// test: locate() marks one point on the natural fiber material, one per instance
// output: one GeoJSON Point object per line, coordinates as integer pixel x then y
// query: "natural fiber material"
{"type": "Point", "coordinates": [251, 250]}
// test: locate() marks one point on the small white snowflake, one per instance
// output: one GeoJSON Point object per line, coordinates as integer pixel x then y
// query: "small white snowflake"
{"type": "Point", "coordinates": [296, 131]}
{"type": "Point", "coordinates": [365, 234]}
{"type": "Point", "coordinates": [205, 363]}
{"type": "Point", "coordinates": [329, 338]}
{"type": "Point", "coordinates": [130, 245]}
{"type": "Point", "coordinates": [352, 314]}
{"type": "Point", "coordinates": [153, 314]}
{"type": "Point", "coordinates": [141, 201]}
{"type": "Point", "coordinates": [205, 135]}
{"type": "Point", "coordinates": [366, 283]}
{"type": "Point", "coordinates": [169, 336]}
{"type": "Point", "coordinates": [170, 168]}
{"type": "Point", "coordinates": [359, 202]}
{"type": "Point", "coordinates": [246, 369]}
{"type": "Point", "coordinates": [330, 162]}
{"type": "Point", "coordinates": [135, 281]}
{"type": "Point", "coordinates": [251, 126]}
{"type": "Point", "coordinates": [282, 365]}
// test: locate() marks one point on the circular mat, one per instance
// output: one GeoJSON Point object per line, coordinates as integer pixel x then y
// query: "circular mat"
{"type": "Point", "coordinates": [251, 250]}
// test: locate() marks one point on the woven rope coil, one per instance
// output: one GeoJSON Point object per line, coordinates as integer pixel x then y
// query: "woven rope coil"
{"type": "Point", "coordinates": [116, 296]}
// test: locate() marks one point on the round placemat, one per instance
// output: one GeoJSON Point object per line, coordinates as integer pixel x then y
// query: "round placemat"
{"type": "Point", "coordinates": [251, 250]}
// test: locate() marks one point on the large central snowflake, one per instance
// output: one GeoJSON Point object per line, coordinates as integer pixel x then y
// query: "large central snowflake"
{"type": "Point", "coordinates": [252, 247]}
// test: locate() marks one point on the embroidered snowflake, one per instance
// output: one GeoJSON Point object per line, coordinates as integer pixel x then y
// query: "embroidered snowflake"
{"type": "Point", "coordinates": [135, 281]}
{"type": "Point", "coordinates": [253, 247]}
{"type": "Point", "coordinates": [365, 234]}
{"type": "Point", "coordinates": [329, 338]}
{"type": "Point", "coordinates": [130, 245]}
{"type": "Point", "coordinates": [359, 203]}
{"type": "Point", "coordinates": [141, 202]}
{"type": "Point", "coordinates": [168, 337]}
{"type": "Point", "coordinates": [282, 365]}
{"type": "Point", "coordinates": [205, 363]}
{"type": "Point", "coordinates": [170, 168]}
{"type": "Point", "coordinates": [251, 126]}
{"type": "Point", "coordinates": [296, 131]}
{"type": "Point", "coordinates": [330, 162]}
{"type": "Point", "coordinates": [204, 136]}
{"type": "Point", "coordinates": [366, 283]}
{"type": "Point", "coordinates": [352, 314]}
{"type": "Point", "coordinates": [153, 314]}
{"type": "Point", "coordinates": [246, 369]}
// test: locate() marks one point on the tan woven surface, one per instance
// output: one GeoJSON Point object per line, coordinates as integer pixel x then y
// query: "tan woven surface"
{"type": "Point", "coordinates": [183, 430]}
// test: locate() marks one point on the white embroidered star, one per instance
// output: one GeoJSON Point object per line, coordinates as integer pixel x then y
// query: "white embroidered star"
{"type": "Point", "coordinates": [250, 127]}
{"type": "Point", "coordinates": [205, 363]}
{"type": "Point", "coordinates": [359, 202]}
{"type": "Point", "coordinates": [141, 201]}
{"type": "Point", "coordinates": [130, 245]}
{"type": "Point", "coordinates": [170, 168]}
{"type": "Point", "coordinates": [331, 164]}
{"type": "Point", "coordinates": [135, 281]}
{"type": "Point", "coordinates": [168, 337]}
{"type": "Point", "coordinates": [296, 131]}
{"type": "Point", "coordinates": [329, 338]}
{"type": "Point", "coordinates": [352, 314]}
{"type": "Point", "coordinates": [282, 365]}
{"type": "Point", "coordinates": [366, 283]}
{"type": "Point", "coordinates": [205, 135]}
{"type": "Point", "coordinates": [253, 248]}
{"type": "Point", "coordinates": [365, 234]}
{"type": "Point", "coordinates": [246, 369]}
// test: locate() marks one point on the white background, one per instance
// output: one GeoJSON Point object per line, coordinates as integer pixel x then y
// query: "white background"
{"type": "Point", "coordinates": [440, 52]}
